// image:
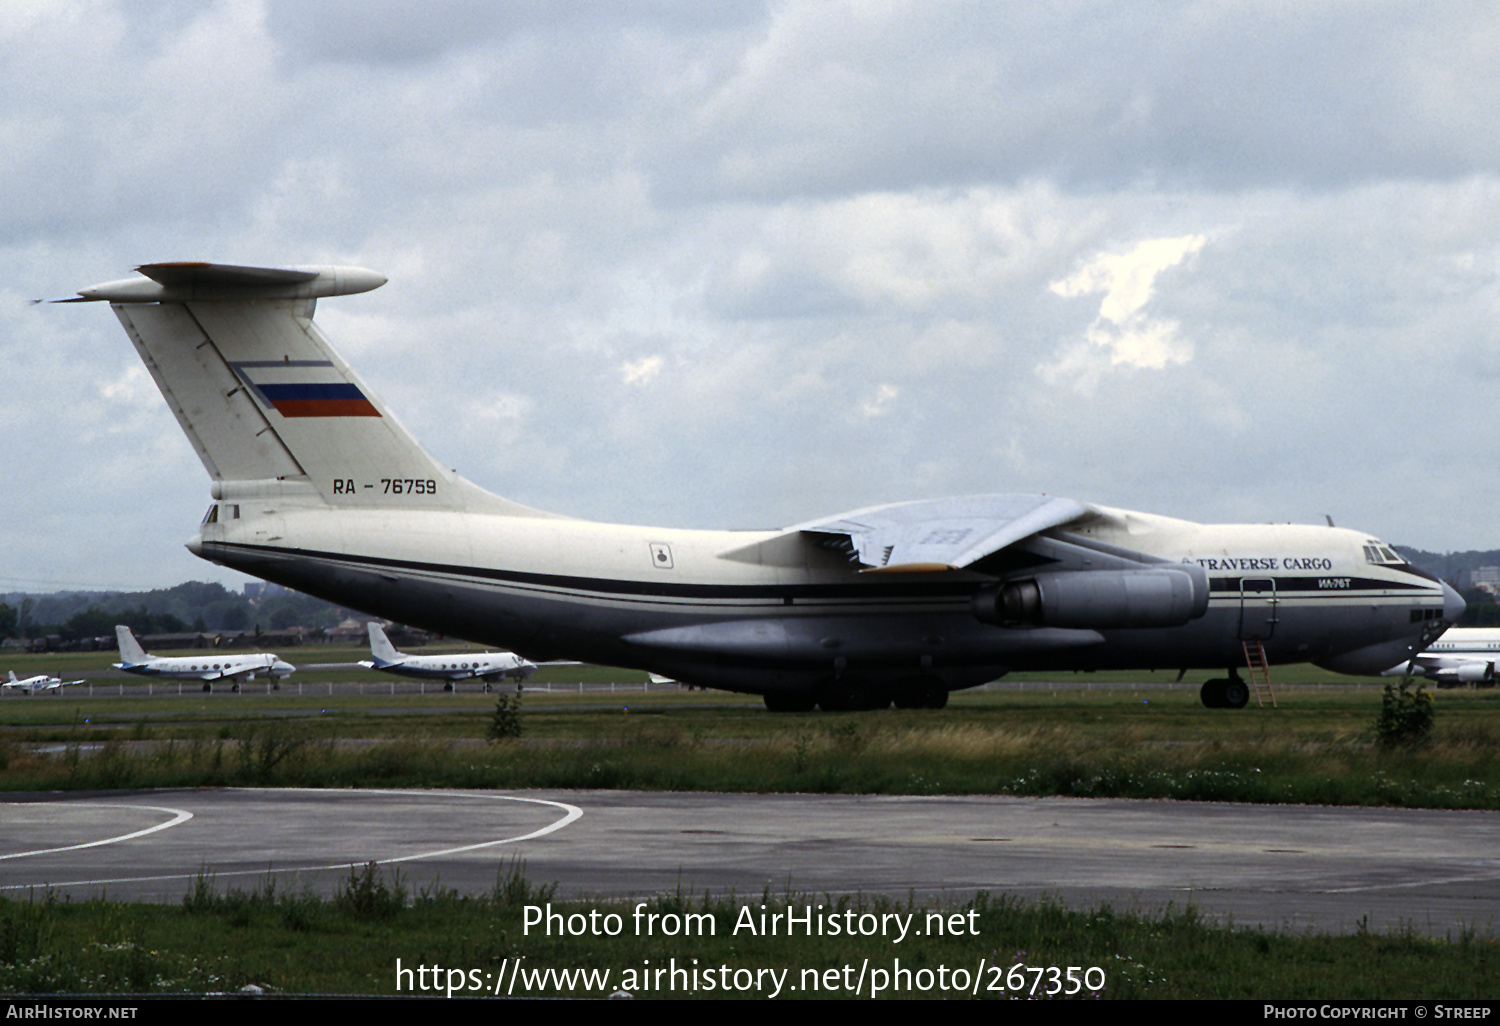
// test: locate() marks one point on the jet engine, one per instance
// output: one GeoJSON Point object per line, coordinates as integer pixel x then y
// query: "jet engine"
{"type": "Point", "coordinates": [1475, 673]}
{"type": "Point", "coordinates": [1167, 596]}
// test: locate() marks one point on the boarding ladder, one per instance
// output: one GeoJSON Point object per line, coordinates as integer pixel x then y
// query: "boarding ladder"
{"type": "Point", "coordinates": [1260, 671]}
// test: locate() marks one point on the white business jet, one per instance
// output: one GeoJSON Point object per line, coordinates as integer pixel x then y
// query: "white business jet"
{"type": "Point", "coordinates": [318, 487]}
{"type": "Point", "coordinates": [41, 682]}
{"type": "Point", "coordinates": [236, 667]}
{"type": "Point", "coordinates": [1463, 655]}
{"type": "Point", "coordinates": [486, 666]}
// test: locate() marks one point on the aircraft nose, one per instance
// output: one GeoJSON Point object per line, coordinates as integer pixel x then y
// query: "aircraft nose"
{"type": "Point", "coordinates": [1453, 604]}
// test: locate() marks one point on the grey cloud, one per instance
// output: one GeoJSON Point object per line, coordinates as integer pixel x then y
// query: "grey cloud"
{"type": "Point", "coordinates": [395, 32]}
{"type": "Point", "coordinates": [838, 98]}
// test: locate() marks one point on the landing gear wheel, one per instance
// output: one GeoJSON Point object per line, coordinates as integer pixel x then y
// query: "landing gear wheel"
{"type": "Point", "coordinates": [794, 702]}
{"type": "Point", "coordinates": [448, 685]}
{"type": "Point", "coordinates": [1235, 694]}
{"type": "Point", "coordinates": [937, 699]}
{"type": "Point", "coordinates": [208, 688]}
{"type": "Point", "coordinates": [235, 688]}
{"type": "Point", "coordinates": [1212, 694]}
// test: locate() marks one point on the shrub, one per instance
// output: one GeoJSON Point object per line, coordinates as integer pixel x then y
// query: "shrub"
{"type": "Point", "coordinates": [1405, 715]}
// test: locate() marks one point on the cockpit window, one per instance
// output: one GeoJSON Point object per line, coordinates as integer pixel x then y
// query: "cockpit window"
{"type": "Point", "coordinates": [1381, 554]}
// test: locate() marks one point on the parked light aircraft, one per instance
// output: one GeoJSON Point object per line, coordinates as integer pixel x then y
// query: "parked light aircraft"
{"type": "Point", "coordinates": [487, 666]}
{"type": "Point", "coordinates": [1463, 655]}
{"type": "Point", "coordinates": [317, 486]}
{"type": "Point", "coordinates": [41, 682]}
{"type": "Point", "coordinates": [237, 667]}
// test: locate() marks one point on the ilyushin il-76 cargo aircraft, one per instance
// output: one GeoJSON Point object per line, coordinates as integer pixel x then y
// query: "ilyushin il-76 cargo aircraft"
{"type": "Point", "coordinates": [318, 487]}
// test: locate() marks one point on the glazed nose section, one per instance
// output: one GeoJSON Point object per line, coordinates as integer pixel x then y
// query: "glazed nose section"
{"type": "Point", "coordinates": [1453, 604]}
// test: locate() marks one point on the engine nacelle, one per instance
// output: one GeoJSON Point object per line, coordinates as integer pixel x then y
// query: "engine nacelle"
{"type": "Point", "coordinates": [1168, 596]}
{"type": "Point", "coordinates": [1476, 673]}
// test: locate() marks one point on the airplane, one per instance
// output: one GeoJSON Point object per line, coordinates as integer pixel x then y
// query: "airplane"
{"type": "Point", "coordinates": [317, 486]}
{"type": "Point", "coordinates": [236, 667]}
{"type": "Point", "coordinates": [41, 682]}
{"type": "Point", "coordinates": [1463, 655]}
{"type": "Point", "coordinates": [487, 666]}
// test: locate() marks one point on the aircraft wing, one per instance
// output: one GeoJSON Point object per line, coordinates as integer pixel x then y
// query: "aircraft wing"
{"type": "Point", "coordinates": [933, 534]}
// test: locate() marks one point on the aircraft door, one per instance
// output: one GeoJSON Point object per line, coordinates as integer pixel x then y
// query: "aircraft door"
{"type": "Point", "coordinates": [1257, 608]}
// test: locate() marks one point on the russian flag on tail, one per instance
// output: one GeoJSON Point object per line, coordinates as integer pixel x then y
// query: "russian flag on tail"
{"type": "Point", "coordinates": [299, 397]}
{"type": "Point", "coordinates": [315, 400]}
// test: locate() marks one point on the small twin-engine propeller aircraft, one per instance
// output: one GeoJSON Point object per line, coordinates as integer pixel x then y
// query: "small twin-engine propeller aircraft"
{"type": "Point", "coordinates": [316, 486]}
{"type": "Point", "coordinates": [41, 682]}
{"type": "Point", "coordinates": [486, 666]}
{"type": "Point", "coordinates": [236, 667]}
{"type": "Point", "coordinates": [1463, 655]}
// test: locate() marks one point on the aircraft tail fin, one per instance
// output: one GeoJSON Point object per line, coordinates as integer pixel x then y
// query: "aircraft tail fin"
{"type": "Point", "coordinates": [381, 647]}
{"type": "Point", "coordinates": [269, 406]}
{"type": "Point", "coordinates": [131, 652]}
{"type": "Point", "coordinates": [12, 676]}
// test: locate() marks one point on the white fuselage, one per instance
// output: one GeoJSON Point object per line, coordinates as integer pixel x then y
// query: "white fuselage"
{"type": "Point", "coordinates": [688, 604]}
{"type": "Point", "coordinates": [211, 667]}
{"type": "Point", "coordinates": [40, 682]}
{"type": "Point", "coordinates": [459, 666]}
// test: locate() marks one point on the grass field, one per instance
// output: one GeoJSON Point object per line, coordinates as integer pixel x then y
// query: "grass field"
{"type": "Point", "coordinates": [1128, 735]}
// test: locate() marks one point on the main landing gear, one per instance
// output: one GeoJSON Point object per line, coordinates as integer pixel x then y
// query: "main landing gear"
{"type": "Point", "coordinates": [1226, 693]}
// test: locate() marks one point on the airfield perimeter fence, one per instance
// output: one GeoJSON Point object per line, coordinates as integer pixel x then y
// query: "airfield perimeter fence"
{"type": "Point", "coordinates": [135, 688]}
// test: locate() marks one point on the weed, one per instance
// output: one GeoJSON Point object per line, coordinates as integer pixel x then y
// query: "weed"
{"type": "Point", "coordinates": [367, 895]}
{"type": "Point", "coordinates": [513, 889]}
{"type": "Point", "coordinates": [261, 754]}
{"type": "Point", "coordinates": [1406, 716]}
{"type": "Point", "coordinates": [800, 744]}
{"type": "Point", "coordinates": [505, 722]}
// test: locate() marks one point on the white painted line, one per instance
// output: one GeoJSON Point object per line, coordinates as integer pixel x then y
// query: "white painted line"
{"type": "Point", "coordinates": [180, 817]}
{"type": "Point", "coordinates": [571, 814]}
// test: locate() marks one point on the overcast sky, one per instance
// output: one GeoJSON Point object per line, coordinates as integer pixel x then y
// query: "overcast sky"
{"type": "Point", "coordinates": [741, 265]}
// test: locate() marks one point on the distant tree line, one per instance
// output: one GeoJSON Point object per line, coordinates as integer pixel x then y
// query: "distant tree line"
{"type": "Point", "coordinates": [194, 606]}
